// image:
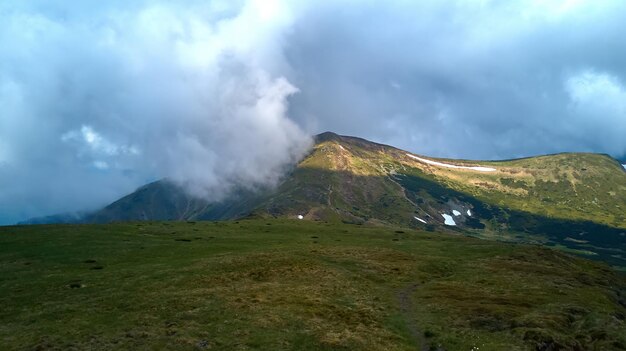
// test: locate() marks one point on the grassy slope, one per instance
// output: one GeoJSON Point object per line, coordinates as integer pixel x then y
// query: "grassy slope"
{"type": "Point", "coordinates": [566, 186]}
{"type": "Point", "coordinates": [332, 183]}
{"type": "Point", "coordinates": [164, 200]}
{"type": "Point", "coordinates": [160, 199]}
{"type": "Point", "coordinates": [572, 186]}
{"type": "Point", "coordinates": [295, 285]}
{"type": "Point", "coordinates": [354, 179]}
{"type": "Point", "coordinates": [571, 201]}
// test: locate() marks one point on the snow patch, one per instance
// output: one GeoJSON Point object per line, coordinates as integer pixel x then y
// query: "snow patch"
{"type": "Point", "coordinates": [419, 219]}
{"type": "Point", "coordinates": [448, 220]}
{"type": "Point", "coordinates": [435, 163]}
{"type": "Point", "coordinates": [469, 213]}
{"type": "Point", "coordinates": [342, 148]}
{"type": "Point", "coordinates": [300, 217]}
{"type": "Point", "coordinates": [624, 165]}
{"type": "Point", "coordinates": [456, 213]}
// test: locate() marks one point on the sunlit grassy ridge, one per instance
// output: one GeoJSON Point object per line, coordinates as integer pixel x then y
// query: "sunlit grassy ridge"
{"type": "Point", "coordinates": [574, 186]}
{"type": "Point", "coordinates": [567, 186]}
{"type": "Point", "coordinates": [574, 202]}
{"type": "Point", "coordinates": [296, 285]}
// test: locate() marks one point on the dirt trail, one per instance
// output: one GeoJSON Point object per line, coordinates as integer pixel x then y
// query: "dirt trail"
{"type": "Point", "coordinates": [406, 306]}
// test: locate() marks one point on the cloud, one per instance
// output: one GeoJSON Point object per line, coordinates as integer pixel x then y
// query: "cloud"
{"type": "Point", "coordinates": [597, 97]}
{"type": "Point", "coordinates": [99, 98]}
{"type": "Point", "coordinates": [475, 79]}
{"type": "Point", "coordinates": [98, 101]}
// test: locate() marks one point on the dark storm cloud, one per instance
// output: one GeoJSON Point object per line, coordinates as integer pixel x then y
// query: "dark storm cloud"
{"type": "Point", "coordinates": [98, 98]}
{"type": "Point", "coordinates": [483, 79]}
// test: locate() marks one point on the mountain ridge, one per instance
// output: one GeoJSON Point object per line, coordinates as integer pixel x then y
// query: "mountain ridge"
{"type": "Point", "coordinates": [351, 150]}
{"type": "Point", "coordinates": [574, 201]}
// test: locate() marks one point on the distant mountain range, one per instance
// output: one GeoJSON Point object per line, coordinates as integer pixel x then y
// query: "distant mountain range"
{"type": "Point", "coordinates": [576, 201]}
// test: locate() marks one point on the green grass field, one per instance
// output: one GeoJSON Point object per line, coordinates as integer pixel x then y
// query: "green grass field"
{"type": "Point", "coordinates": [296, 285]}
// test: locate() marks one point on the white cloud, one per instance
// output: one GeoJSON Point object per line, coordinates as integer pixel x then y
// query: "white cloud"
{"type": "Point", "coordinates": [88, 138]}
{"type": "Point", "coordinates": [191, 91]}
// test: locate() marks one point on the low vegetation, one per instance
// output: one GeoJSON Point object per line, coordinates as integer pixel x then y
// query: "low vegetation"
{"type": "Point", "coordinates": [297, 285]}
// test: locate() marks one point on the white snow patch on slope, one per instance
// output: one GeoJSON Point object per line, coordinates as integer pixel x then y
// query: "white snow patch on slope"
{"type": "Point", "coordinates": [419, 219]}
{"type": "Point", "coordinates": [469, 213]}
{"type": "Point", "coordinates": [300, 217]}
{"type": "Point", "coordinates": [456, 213]}
{"type": "Point", "coordinates": [435, 163]}
{"type": "Point", "coordinates": [448, 220]}
{"type": "Point", "coordinates": [624, 165]}
{"type": "Point", "coordinates": [342, 148]}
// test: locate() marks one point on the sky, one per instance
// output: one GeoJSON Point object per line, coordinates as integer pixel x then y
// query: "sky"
{"type": "Point", "coordinates": [98, 98]}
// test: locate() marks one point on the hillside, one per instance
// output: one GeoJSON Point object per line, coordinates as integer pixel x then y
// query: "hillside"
{"type": "Point", "coordinates": [164, 200]}
{"type": "Point", "coordinates": [587, 187]}
{"type": "Point", "coordinates": [574, 202]}
{"type": "Point", "coordinates": [348, 177]}
{"type": "Point", "coordinates": [526, 200]}
{"type": "Point", "coordinates": [283, 284]}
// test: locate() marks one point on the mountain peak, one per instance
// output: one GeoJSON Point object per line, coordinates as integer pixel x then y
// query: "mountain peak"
{"type": "Point", "coordinates": [326, 136]}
